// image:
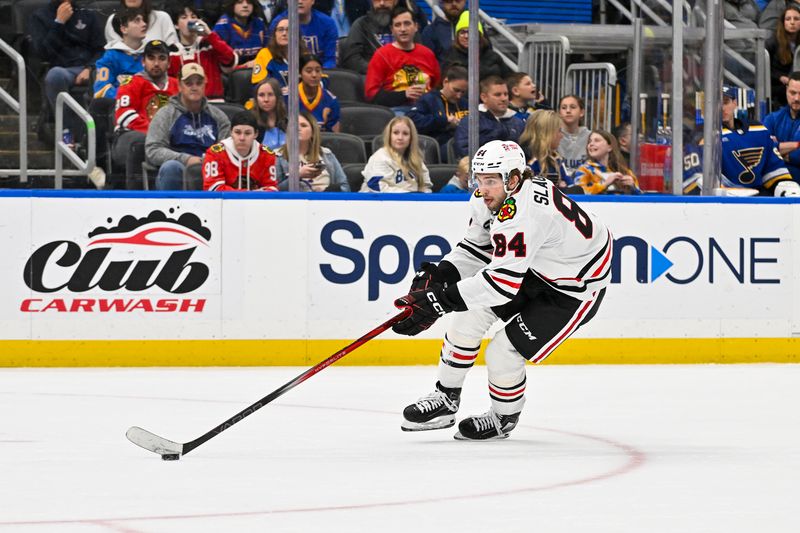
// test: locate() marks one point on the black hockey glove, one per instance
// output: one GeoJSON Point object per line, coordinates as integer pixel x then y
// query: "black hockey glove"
{"type": "Point", "coordinates": [430, 274]}
{"type": "Point", "coordinates": [426, 307]}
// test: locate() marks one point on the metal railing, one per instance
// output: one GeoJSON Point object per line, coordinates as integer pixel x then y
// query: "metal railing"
{"type": "Point", "coordinates": [544, 58]}
{"type": "Point", "coordinates": [21, 107]}
{"type": "Point", "coordinates": [62, 149]}
{"type": "Point", "coordinates": [596, 84]}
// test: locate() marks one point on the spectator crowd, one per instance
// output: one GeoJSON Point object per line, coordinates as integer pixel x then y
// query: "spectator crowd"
{"type": "Point", "coordinates": [163, 81]}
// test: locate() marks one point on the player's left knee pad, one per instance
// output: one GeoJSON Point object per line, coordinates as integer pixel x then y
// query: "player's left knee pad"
{"type": "Point", "coordinates": [506, 369]}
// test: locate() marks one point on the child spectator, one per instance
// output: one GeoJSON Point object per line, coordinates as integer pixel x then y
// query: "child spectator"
{"type": "Point", "coordinates": [539, 141]}
{"type": "Point", "coordinates": [605, 172]}
{"type": "Point", "coordinates": [270, 113]}
{"type": "Point", "coordinates": [159, 24]}
{"type": "Point", "coordinates": [398, 165]}
{"type": "Point", "coordinates": [242, 27]}
{"type": "Point", "coordinates": [198, 44]}
{"type": "Point", "coordinates": [438, 113]}
{"type": "Point", "coordinates": [123, 58]}
{"type": "Point", "coordinates": [524, 96]}
{"type": "Point", "coordinates": [183, 130]}
{"type": "Point", "coordinates": [240, 162]}
{"type": "Point", "coordinates": [273, 61]}
{"type": "Point", "coordinates": [138, 100]}
{"type": "Point", "coordinates": [315, 98]}
{"type": "Point", "coordinates": [623, 134]}
{"type": "Point", "coordinates": [320, 171]}
{"type": "Point", "coordinates": [318, 31]}
{"type": "Point", "coordinates": [573, 146]}
{"type": "Point", "coordinates": [459, 183]}
{"type": "Point", "coordinates": [401, 72]}
{"type": "Point", "coordinates": [490, 62]}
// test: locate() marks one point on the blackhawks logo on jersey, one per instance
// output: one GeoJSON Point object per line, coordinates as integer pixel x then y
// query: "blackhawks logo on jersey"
{"type": "Point", "coordinates": [507, 210]}
{"type": "Point", "coordinates": [478, 193]}
{"type": "Point", "coordinates": [217, 148]}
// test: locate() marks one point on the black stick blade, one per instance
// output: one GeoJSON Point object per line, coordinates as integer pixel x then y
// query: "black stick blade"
{"type": "Point", "coordinates": [153, 443]}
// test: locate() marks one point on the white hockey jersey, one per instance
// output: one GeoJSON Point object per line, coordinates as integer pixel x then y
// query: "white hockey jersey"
{"type": "Point", "coordinates": [537, 229]}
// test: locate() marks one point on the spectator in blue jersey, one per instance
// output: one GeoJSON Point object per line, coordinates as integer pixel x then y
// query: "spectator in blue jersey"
{"type": "Point", "coordinates": [540, 142]}
{"type": "Point", "coordinates": [122, 58]}
{"type": "Point", "coordinates": [318, 31]}
{"type": "Point", "coordinates": [459, 183]}
{"type": "Point", "coordinates": [273, 60]}
{"type": "Point", "coordinates": [270, 112]}
{"type": "Point", "coordinates": [71, 40]}
{"type": "Point", "coordinates": [784, 125]}
{"type": "Point", "coordinates": [242, 27]}
{"type": "Point", "coordinates": [367, 34]}
{"type": "Point", "coordinates": [314, 97]}
{"type": "Point", "coordinates": [159, 23]}
{"type": "Point", "coordinates": [497, 121]}
{"type": "Point", "coordinates": [750, 157]}
{"type": "Point", "coordinates": [438, 113]}
{"type": "Point", "coordinates": [182, 131]}
{"type": "Point", "coordinates": [439, 34]}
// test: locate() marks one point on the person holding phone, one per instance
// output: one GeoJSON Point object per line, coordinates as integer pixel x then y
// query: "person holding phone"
{"type": "Point", "coordinates": [320, 171]}
{"type": "Point", "coordinates": [199, 44]}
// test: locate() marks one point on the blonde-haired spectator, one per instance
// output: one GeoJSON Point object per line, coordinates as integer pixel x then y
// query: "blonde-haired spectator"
{"type": "Point", "coordinates": [398, 165]}
{"type": "Point", "coordinates": [459, 183]}
{"type": "Point", "coordinates": [605, 172]}
{"type": "Point", "coordinates": [540, 141]}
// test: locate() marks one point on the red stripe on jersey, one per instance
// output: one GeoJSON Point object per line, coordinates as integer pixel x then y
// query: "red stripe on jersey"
{"type": "Point", "coordinates": [464, 357]}
{"type": "Point", "coordinates": [566, 332]}
{"type": "Point", "coordinates": [496, 392]}
{"type": "Point", "coordinates": [506, 282]}
{"type": "Point", "coordinates": [605, 259]}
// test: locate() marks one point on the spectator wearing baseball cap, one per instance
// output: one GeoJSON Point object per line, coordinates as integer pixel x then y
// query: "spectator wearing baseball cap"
{"type": "Point", "coordinates": [182, 131]}
{"type": "Point", "coordinates": [751, 162]}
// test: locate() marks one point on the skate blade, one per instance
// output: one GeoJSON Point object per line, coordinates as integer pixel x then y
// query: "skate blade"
{"type": "Point", "coordinates": [459, 436]}
{"type": "Point", "coordinates": [437, 423]}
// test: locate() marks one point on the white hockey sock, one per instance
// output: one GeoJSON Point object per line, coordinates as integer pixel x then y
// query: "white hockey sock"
{"type": "Point", "coordinates": [506, 368]}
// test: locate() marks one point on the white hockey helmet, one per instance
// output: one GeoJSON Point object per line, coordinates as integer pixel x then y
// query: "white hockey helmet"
{"type": "Point", "coordinates": [499, 157]}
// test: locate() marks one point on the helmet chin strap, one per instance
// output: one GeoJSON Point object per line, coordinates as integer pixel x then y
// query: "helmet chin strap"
{"type": "Point", "coordinates": [506, 181]}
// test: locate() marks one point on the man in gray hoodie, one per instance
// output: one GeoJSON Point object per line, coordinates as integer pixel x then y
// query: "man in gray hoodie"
{"type": "Point", "coordinates": [183, 130]}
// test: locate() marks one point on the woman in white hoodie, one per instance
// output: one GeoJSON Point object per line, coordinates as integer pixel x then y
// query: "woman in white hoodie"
{"type": "Point", "coordinates": [398, 165]}
{"type": "Point", "coordinates": [159, 24]}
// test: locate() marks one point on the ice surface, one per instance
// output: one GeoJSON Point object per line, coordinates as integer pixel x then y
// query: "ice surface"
{"type": "Point", "coordinates": [606, 449]}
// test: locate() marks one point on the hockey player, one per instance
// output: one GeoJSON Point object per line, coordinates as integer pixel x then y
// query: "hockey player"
{"type": "Point", "coordinates": [240, 162]}
{"type": "Point", "coordinates": [532, 258]}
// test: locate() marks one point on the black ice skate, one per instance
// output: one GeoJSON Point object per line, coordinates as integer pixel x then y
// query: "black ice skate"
{"type": "Point", "coordinates": [488, 426]}
{"type": "Point", "coordinates": [437, 410]}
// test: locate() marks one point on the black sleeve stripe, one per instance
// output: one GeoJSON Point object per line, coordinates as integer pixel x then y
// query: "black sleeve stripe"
{"type": "Point", "coordinates": [510, 273]}
{"type": "Point", "coordinates": [484, 247]}
{"type": "Point", "coordinates": [497, 288]}
{"type": "Point", "coordinates": [476, 253]}
{"type": "Point", "coordinates": [599, 255]}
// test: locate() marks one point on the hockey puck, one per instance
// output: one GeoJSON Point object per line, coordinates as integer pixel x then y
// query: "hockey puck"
{"type": "Point", "coordinates": [170, 457]}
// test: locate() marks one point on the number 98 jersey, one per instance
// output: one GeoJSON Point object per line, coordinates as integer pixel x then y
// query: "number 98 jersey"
{"type": "Point", "coordinates": [537, 230]}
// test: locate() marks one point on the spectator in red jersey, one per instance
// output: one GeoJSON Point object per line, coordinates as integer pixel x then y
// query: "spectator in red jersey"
{"type": "Point", "coordinates": [138, 99]}
{"type": "Point", "coordinates": [240, 162]}
{"type": "Point", "coordinates": [399, 73]}
{"type": "Point", "coordinates": [198, 44]}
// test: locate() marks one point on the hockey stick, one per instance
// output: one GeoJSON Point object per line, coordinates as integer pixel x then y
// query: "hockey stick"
{"type": "Point", "coordinates": [171, 451]}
